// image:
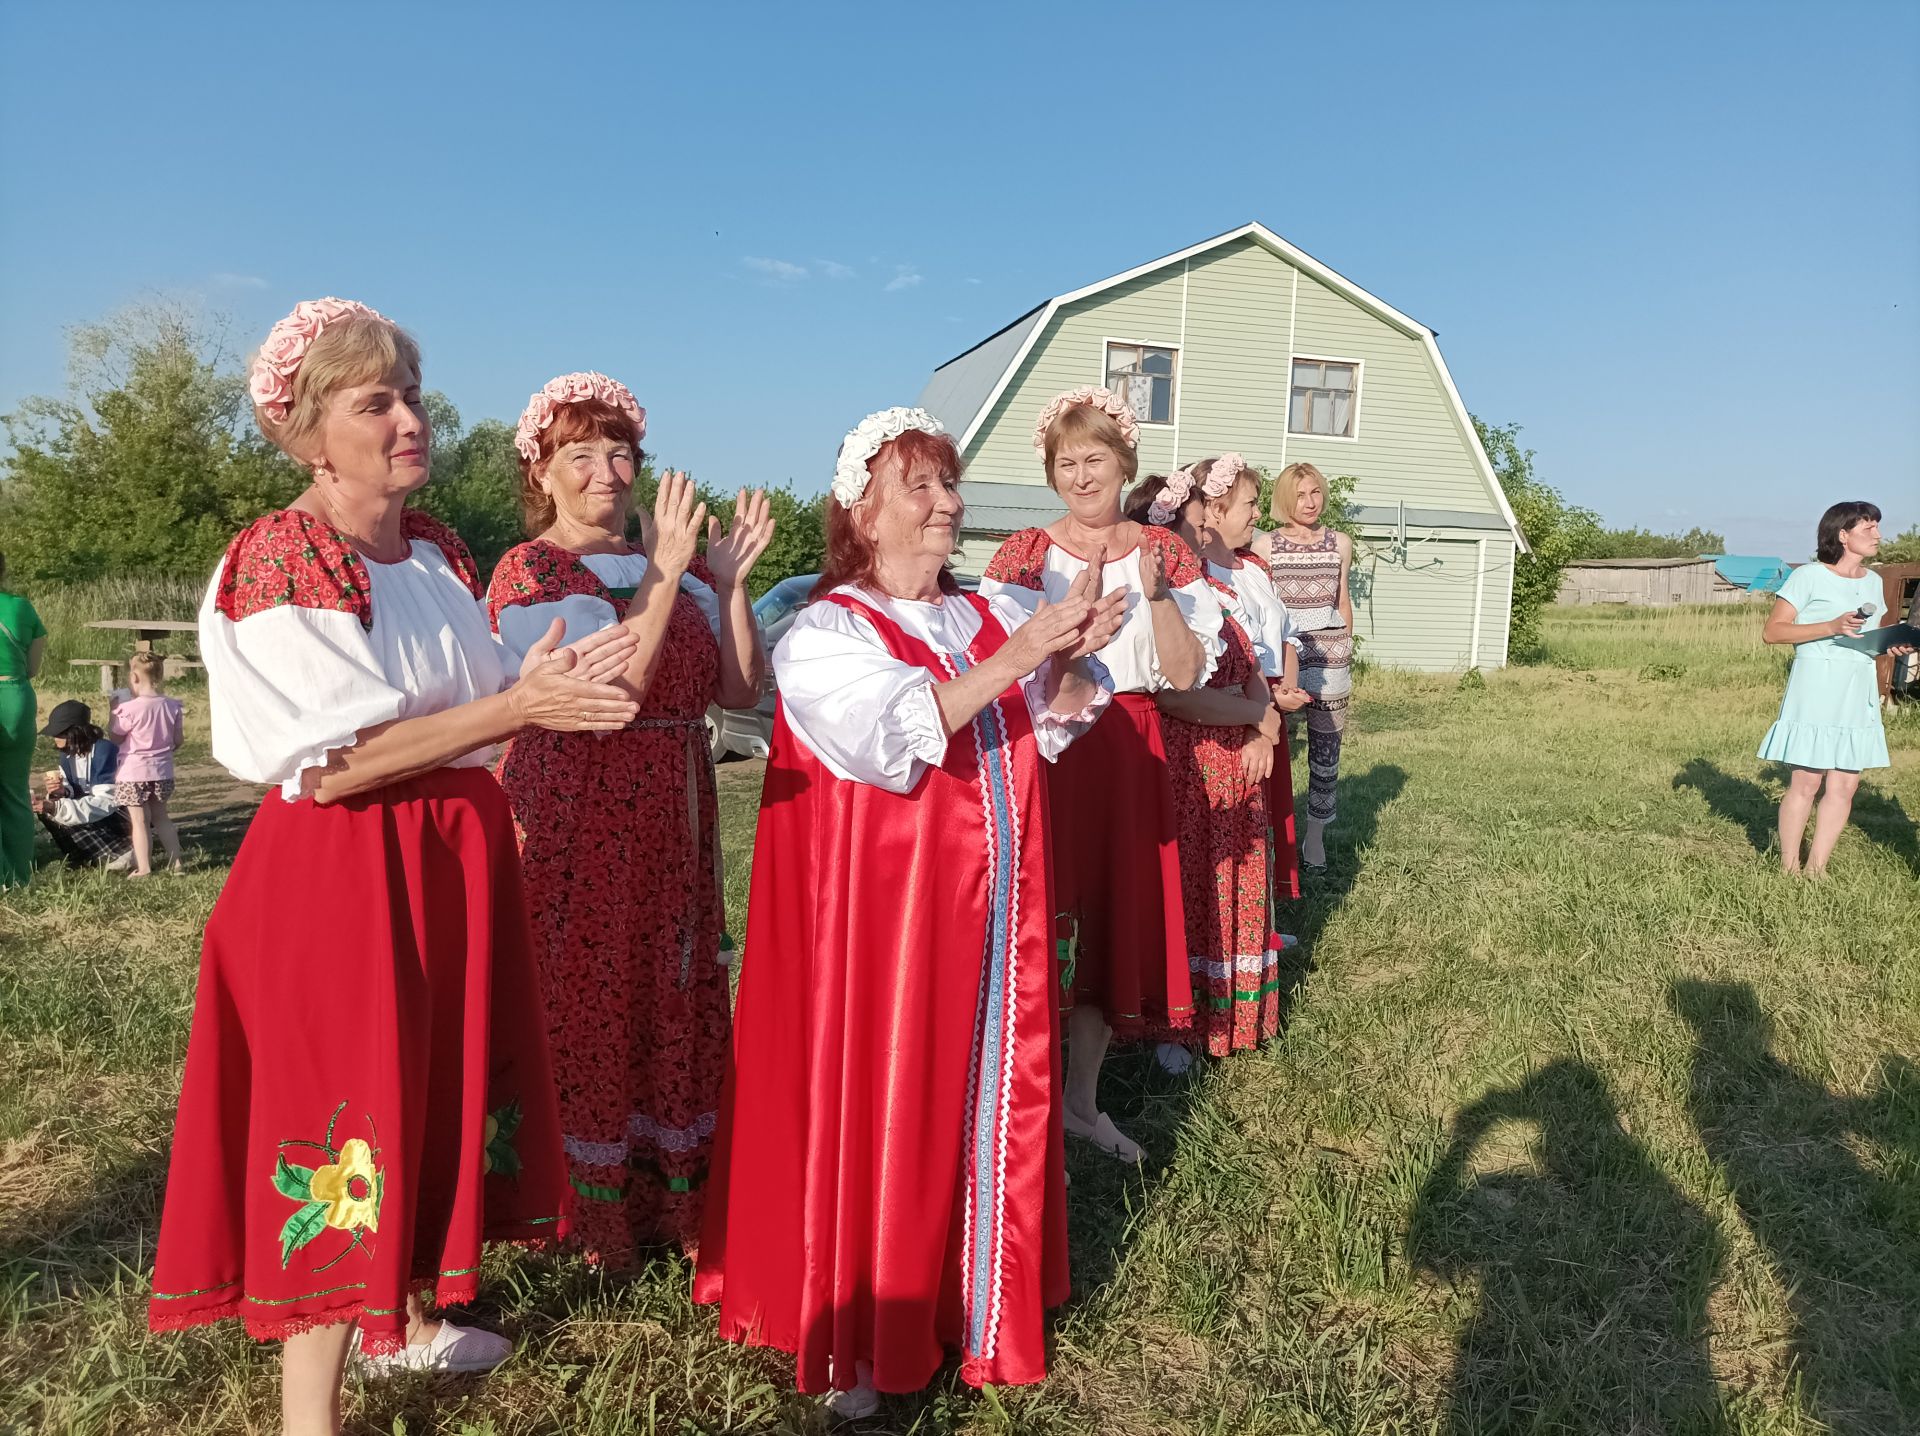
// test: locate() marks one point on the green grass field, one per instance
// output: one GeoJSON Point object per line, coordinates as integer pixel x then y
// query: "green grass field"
{"type": "Point", "coordinates": [1584, 1119]}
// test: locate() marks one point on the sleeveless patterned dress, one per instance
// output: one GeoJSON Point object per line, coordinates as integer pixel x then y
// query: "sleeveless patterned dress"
{"type": "Point", "coordinates": [1307, 578]}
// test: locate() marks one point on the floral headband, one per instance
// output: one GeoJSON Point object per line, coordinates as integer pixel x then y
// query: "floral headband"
{"type": "Point", "coordinates": [1106, 400]}
{"type": "Point", "coordinates": [1174, 497]}
{"type": "Point", "coordinates": [270, 381]}
{"type": "Point", "coordinates": [850, 472]}
{"type": "Point", "coordinates": [575, 388]}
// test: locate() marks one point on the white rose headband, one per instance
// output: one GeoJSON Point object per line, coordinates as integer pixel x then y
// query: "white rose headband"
{"type": "Point", "coordinates": [1174, 497]}
{"type": "Point", "coordinates": [1118, 409]}
{"type": "Point", "coordinates": [270, 380]}
{"type": "Point", "coordinates": [850, 472]}
{"type": "Point", "coordinates": [575, 388]}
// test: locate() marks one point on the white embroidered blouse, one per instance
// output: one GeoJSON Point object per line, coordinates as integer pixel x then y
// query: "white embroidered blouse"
{"type": "Point", "coordinates": [874, 719]}
{"type": "Point", "coordinates": [306, 643]}
{"type": "Point", "coordinates": [1258, 609]}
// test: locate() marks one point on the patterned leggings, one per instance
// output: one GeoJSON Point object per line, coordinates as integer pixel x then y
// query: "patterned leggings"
{"type": "Point", "coordinates": [1326, 726]}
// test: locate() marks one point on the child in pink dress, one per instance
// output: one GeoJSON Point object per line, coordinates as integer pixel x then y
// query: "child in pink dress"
{"type": "Point", "coordinates": [147, 728]}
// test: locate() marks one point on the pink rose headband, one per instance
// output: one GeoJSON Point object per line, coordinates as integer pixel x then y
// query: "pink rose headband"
{"type": "Point", "coordinates": [1104, 399]}
{"type": "Point", "coordinates": [1179, 489]}
{"type": "Point", "coordinates": [270, 381]}
{"type": "Point", "coordinates": [572, 389]}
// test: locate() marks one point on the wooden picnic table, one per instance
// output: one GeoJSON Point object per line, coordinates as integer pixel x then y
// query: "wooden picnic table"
{"type": "Point", "coordinates": [144, 631]}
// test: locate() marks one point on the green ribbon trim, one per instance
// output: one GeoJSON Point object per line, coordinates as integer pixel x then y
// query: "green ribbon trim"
{"type": "Point", "coordinates": [598, 1193]}
{"type": "Point", "coordinates": [184, 1295]}
{"type": "Point", "coordinates": [309, 1296]}
{"type": "Point", "coordinates": [1221, 1004]}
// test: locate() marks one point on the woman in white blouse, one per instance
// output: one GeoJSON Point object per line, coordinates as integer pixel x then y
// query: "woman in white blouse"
{"type": "Point", "coordinates": [887, 1180]}
{"type": "Point", "coordinates": [1116, 866]}
{"type": "Point", "coordinates": [620, 833]}
{"type": "Point", "coordinates": [367, 1095]}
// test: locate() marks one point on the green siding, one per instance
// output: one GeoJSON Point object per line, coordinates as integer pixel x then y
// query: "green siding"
{"type": "Point", "coordinates": [1230, 312]}
{"type": "Point", "coordinates": [1418, 613]}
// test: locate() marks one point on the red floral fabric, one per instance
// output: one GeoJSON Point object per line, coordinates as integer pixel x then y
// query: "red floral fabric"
{"type": "Point", "coordinates": [1022, 559]}
{"type": "Point", "coordinates": [298, 558]}
{"type": "Point", "coordinates": [1222, 822]}
{"type": "Point", "coordinates": [619, 844]}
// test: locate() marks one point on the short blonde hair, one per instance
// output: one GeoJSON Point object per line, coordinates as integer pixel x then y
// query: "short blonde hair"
{"type": "Point", "coordinates": [1090, 424]}
{"type": "Point", "coordinates": [1286, 489]}
{"type": "Point", "coordinates": [353, 349]}
{"type": "Point", "coordinates": [150, 666]}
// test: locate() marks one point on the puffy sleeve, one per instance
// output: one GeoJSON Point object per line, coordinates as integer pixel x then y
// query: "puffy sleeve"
{"type": "Point", "coordinates": [535, 583]}
{"type": "Point", "coordinates": [1199, 606]}
{"type": "Point", "coordinates": [291, 672]}
{"type": "Point", "coordinates": [1018, 570]}
{"type": "Point", "coordinates": [869, 717]}
{"type": "Point", "coordinates": [1053, 731]}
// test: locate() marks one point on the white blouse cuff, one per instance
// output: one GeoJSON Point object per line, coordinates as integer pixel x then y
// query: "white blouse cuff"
{"type": "Point", "coordinates": [916, 725]}
{"type": "Point", "coordinates": [1200, 607]}
{"type": "Point", "coordinates": [1054, 731]}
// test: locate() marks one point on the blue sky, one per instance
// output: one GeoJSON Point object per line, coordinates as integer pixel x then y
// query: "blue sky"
{"type": "Point", "coordinates": [1679, 243]}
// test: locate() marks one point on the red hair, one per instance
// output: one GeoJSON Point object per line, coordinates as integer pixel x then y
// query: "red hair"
{"type": "Point", "coordinates": [851, 557]}
{"type": "Point", "coordinates": [587, 419]}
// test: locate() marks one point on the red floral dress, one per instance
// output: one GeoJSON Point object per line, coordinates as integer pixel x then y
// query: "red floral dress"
{"type": "Point", "coordinates": [619, 842]}
{"type": "Point", "coordinates": [1221, 819]}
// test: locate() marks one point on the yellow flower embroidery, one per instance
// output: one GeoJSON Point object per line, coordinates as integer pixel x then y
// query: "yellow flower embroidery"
{"type": "Point", "coordinates": [349, 1188]}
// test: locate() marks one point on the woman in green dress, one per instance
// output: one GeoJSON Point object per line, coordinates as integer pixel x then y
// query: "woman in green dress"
{"type": "Point", "coordinates": [23, 638]}
{"type": "Point", "coordinates": [1829, 726]}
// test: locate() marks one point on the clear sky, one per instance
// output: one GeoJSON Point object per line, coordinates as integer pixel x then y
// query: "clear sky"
{"type": "Point", "coordinates": [1679, 243]}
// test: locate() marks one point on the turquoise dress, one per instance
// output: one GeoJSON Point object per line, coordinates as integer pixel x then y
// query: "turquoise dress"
{"type": "Point", "coordinates": [1830, 717]}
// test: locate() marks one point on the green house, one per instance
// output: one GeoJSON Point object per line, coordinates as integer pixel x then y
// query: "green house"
{"type": "Point", "coordinates": [1243, 342]}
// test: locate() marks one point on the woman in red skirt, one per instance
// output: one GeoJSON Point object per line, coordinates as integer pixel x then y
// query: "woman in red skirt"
{"type": "Point", "coordinates": [1116, 867]}
{"type": "Point", "coordinates": [887, 1177]}
{"type": "Point", "coordinates": [1224, 746]}
{"type": "Point", "coordinates": [619, 833]}
{"type": "Point", "coordinates": [367, 1095]}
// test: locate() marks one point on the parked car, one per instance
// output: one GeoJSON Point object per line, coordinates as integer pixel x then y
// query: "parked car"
{"type": "Point", "coordinates": [749, 731]}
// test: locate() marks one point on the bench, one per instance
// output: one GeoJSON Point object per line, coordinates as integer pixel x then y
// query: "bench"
{"type": "Point", "coordinates": [110, 668]}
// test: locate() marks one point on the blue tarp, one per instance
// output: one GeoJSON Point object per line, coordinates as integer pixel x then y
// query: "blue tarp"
{"type": "Point", "coordinates": [1757, 575]}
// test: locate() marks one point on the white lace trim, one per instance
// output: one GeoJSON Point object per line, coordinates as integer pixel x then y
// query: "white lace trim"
{"type": "Point", "coordinates": [642, 1130]}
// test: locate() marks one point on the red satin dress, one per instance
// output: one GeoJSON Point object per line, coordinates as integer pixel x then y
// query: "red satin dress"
{"type": "Point", "coordinates": [887, 1181]}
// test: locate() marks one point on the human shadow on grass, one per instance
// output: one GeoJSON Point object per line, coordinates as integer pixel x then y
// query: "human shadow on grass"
{"type": "Point", "coordinates": [1842, 1234]}
{"type": "Point", "coordinates": [1592, 1269]}
{"type": "Point", "coordinates": [1738, 800]}
{"type": "Point", "coordinates": [1151, 1106]}
{"type": "Point", "coordinates": [90, 1236]}
{"type": "Point", "coordinates": [1878, 815]}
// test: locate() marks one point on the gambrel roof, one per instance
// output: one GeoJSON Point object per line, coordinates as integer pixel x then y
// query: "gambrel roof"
{"type": "Point", "coordinates": [962, 391]}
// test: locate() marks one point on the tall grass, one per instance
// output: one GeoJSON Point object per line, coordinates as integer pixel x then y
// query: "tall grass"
{"type": "Point", "coordinates": [66, 609]}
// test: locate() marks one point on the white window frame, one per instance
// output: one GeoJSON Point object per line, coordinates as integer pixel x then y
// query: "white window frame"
{"type": "Point", "coordinates": [1359, 393]}
{"type": "Point", "coordinates": [1173, 423]}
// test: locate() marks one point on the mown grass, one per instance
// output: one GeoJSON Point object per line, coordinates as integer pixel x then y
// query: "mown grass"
{"type": "Point", "coordinates": [1583, 1120]}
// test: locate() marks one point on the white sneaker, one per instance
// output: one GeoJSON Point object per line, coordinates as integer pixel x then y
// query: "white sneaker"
{"type": "Point", "coordinates": [1173, 1058]}
{"type": "Point", "coordinates": [121, 864]}
{"type": "Point", "coordinates": [453, 1348]}
{"type": "Point", "coordinates": [855, 1405]}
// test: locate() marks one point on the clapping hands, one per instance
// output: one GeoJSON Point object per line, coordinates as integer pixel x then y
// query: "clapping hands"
{"type": "Point", "coordinates": [678, 521]}
{"type": "Point", "coordinates": [1082, 623]}
{"type": "Point", "coordinates": [732, 556]}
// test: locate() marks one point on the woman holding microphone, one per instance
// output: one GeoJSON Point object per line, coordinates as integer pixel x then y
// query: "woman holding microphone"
{"type": "Point", "coordinates": [1829, 726]}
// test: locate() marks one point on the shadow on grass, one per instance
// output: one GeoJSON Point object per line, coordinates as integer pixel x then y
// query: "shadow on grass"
{"type": "Point", "coordinates": [1879, 815]}
{"type": "Point", "coordinates": [1738, 800]}
{"type": "Point", "coordinates": [1843, 1237]}
{"type": "Point", "coordinates": [1593, 1270]}
{"type": "Point", "coordinates": [90, 1237]}
{"type": "Point", "coordinates": [1151, 1106]}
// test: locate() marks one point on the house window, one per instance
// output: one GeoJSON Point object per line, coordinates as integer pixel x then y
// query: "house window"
{"type": "Point", "coordinates": [1144, 375]}
{"type": "Point", "coordinates": [1326, 394]}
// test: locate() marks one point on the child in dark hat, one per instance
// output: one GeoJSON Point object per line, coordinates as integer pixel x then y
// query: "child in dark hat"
{"type": "Point", "coordinates": [79, 811]}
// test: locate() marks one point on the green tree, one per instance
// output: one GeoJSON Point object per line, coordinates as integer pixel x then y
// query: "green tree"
{"type": "Point", "coordinates": [1644, 543]}
{"type": "Point", "coordinates": [149, 468]}
{"type": "Point", "coordinates": [1904, 548]}
{"type": "Point", "coordinates": [476, 482]}
{"type": "Point", "coordinates": [1557, 532]}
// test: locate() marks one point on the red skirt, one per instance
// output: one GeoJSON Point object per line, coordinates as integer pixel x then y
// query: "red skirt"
{"type": "Point", "coordinates": [367, 1094]}
{"type": "Point", "coordinates": [1116, 872]}
{"type": "Point", "coordinates": [1286, 841]}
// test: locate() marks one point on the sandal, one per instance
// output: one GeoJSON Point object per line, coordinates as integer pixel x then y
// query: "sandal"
{"type": "Point", "coordinates": [1104, 1135]}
